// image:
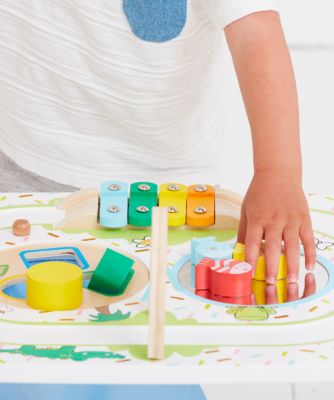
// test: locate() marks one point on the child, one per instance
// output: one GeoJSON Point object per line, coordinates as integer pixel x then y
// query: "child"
{"type": "Point", "coordinates": [131, 90]}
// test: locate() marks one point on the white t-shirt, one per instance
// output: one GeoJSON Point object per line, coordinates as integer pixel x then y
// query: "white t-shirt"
{"type": "Point", "coordinates": [83, 99]}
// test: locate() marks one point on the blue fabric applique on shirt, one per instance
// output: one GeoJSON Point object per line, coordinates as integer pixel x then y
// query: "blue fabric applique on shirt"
{"type": "Point", "coordinates": [156, 20]}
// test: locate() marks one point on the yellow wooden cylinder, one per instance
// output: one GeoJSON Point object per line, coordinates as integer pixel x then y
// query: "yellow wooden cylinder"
{"type": "Point", "coordinates": [54, 286]}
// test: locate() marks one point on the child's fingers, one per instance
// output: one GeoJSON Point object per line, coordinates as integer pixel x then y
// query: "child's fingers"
{"type": "Point", "coordinates": [271, 294]}
{"type": "Point", "coordinates": [310, 285]}
{"type": "Point", "coordinates": [242, 226]}
{"type": "Point", "coordinates": [254, 236]}
{"type": "Point", "coordinates": [292, 247]}
{"type": "Point", "coordinates": [307, 238]}
{"type": "Point", "coordinates": [293, 291]}
{"type": "Point", "coordinates": [272, 252]}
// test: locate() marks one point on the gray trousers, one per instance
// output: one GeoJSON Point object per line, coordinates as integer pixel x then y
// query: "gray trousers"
{"type": "Point", "coordinates": [16, 179]}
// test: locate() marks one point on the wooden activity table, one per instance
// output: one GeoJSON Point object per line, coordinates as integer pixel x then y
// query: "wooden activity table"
{"type": "Point", "coordinates": [105, 340]}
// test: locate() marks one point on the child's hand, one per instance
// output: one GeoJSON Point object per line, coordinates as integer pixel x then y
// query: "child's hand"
{"type": "Point", "coordinates": [275, 209]}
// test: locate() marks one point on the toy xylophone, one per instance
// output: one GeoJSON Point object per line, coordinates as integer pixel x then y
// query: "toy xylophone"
{"type": "Point", "coordinates": [117, 205]}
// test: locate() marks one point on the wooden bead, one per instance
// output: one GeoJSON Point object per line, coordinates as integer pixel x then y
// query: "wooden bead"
{"type": "Point", "coordinates": [21, 227]}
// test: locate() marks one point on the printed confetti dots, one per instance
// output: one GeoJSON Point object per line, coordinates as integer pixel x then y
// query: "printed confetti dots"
{"type": "Point", "coordinates": [176, 298]}
{"type": "Point", "coordinates": [53, 235]}
{"type": "Point", "coordinates": [211, 351]}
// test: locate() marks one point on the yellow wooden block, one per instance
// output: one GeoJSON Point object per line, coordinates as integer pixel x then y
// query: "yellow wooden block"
{"type": "Point", "coordinates": [260, 273]}
{"type": "Point", "coordinates": [54, 286]}
{"type": "Point", "coordinates": [174, 197]}
{"type": "Point", "coordinates": [282, 290]}
{"type": "Point", "coordinates": [239, 252]}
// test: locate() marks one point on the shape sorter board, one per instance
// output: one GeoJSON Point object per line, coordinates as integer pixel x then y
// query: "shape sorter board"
{"type": "Point", "coordinates": [105, 340]}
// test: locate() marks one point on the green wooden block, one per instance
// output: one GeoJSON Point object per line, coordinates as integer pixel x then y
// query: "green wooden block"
{"type": "Point", "coordinates": [112, 275]}
{"type": "Point", "coordinates": [143, 196]}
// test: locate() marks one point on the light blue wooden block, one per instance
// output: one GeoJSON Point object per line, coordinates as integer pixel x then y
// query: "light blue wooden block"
{"type": "Point", "coordinates": [196, 242]}
{"type": "Point", "coordinates": [113, 204]}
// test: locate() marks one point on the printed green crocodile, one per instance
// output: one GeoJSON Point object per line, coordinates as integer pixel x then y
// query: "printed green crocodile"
{"type": "Point", "coordinates": [63, 353]}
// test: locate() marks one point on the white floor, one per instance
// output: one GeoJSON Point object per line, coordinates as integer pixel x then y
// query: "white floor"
{"type": "Point", "coordinates": [270, 392]}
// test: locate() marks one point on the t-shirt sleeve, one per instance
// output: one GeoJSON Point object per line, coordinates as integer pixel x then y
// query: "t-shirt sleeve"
{"type": "Point", "coordinates": [226, 11]}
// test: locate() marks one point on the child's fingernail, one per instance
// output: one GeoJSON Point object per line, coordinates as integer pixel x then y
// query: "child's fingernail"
{"type": "Point", "coordinates": [271, 280]}
{"type": "Point", "coordinates": [310, 267]}
{"type": "Point", "coordinates": [293, 278]}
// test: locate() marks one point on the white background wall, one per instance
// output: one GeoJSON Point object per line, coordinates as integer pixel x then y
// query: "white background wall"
{"type": "Point", "coordinates": [309, 27]}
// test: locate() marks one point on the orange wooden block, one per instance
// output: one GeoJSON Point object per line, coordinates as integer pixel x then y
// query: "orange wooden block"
{"type": "Point", "coordinates": [200, 205]}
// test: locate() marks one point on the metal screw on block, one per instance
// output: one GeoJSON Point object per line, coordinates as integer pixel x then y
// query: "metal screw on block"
{"type": "Point", "coordinates": [200, 210]}
{"type": "Point", "coordinates": [142, 209]}
{"type": "Point", "coordinates": [172, 210]}
{"type": "Point", "coordinates": [173, 187]}
{"type": "Point", "coordinates": [201, 188]}
{"type": "Point", "coordinates": [114, 187]}
{"type": "Point", "coordinates": [114, 209]}
{"type": "Point", "coordinates": [144, 187]}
